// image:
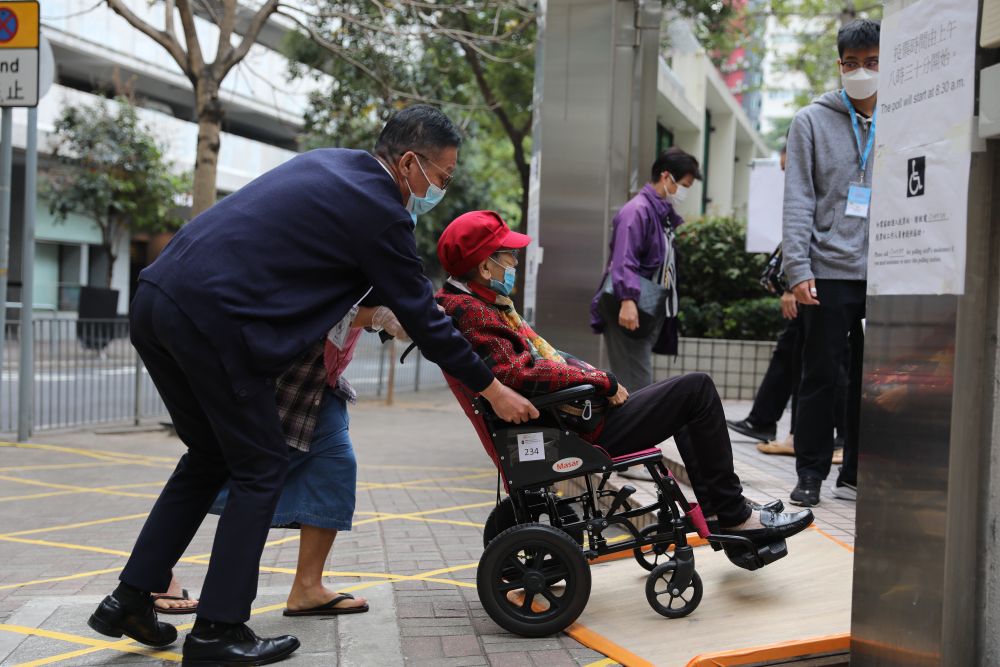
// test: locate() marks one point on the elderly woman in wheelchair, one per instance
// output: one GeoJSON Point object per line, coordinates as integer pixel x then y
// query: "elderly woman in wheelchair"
{"type": "Point", "coordinates": [534, 578]}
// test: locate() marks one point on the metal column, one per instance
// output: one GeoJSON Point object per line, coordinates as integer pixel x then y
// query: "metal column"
{"type": "Point", "coordinates": [927, 552]}
{"type": "Point", "coordinates": [595, 138]}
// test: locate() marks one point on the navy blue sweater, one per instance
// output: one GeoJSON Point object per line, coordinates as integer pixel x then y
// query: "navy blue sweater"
{"type": "Point", "coordinates": [268, 270]}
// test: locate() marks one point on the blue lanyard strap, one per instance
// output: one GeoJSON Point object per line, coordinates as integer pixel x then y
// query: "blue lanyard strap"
{"type": "Point", "coordinates": [857, 132]}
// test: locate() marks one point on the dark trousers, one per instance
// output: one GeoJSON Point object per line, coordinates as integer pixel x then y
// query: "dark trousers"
{"type": "Point", "coordinates": [689, 402]}
{"type": "Point", "coordinates": [631, 359]}
{"type": "Point", "coordinates": [781, 380]}
{"type": "Point", "coordinates": [227, 440]}
{"type": "Point", "coordinates": [826, 327]}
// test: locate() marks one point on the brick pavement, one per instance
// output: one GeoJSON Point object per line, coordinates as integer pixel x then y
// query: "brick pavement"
{"type": "Point", "coordinates": [69, 515]}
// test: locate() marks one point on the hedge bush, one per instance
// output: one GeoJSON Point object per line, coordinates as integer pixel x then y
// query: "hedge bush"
{"type": "Point", "coordinates": [720, 293]}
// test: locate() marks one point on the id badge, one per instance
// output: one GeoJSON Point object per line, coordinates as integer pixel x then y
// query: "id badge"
{"type": "Point", "coordinates": [859, 200]}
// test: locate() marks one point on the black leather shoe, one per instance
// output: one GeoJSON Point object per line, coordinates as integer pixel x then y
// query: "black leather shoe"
{"type": "Point", "coordinates": [238, 645]}
{"type": "Point", "coordinates": [114, 619]}
{"type": "Point", "coordinates": [776, 526]}
{"type": "Point", "coordinates": [751, 430]}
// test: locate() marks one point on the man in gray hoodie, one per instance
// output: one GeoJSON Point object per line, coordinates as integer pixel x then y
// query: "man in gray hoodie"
{"type": "Point", "coordinates": [825, 246]}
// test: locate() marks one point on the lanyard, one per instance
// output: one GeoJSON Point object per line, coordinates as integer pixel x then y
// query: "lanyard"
{"type": "Point", "coordinates": [857, 133]}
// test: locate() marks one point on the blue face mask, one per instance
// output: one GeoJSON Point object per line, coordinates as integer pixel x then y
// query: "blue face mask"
{"type": "Point", "coordinates": [509, 277]}
{"type": "Point", "coordinates": [420, 205]}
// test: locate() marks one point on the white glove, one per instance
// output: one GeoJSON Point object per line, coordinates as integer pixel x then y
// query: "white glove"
{"type": "Point", "coordinates": [383, 319]}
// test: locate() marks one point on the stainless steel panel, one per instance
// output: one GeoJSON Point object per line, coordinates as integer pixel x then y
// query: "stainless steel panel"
{"type": "Point", "coordinates": [903, 481]}
{"type": "Point", "coordinates": [590, 87]}
{"type": "Point", "coordinates": [925, 527]}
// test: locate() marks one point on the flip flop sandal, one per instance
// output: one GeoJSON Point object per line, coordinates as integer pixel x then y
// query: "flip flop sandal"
{"type": "Point", "coordinates": [330, 608]}
{"type": "Point", "coordinates": [174, 611]}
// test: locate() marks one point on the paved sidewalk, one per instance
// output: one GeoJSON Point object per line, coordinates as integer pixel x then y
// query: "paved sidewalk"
{"type": "Point", "coordinates": [70, 510]}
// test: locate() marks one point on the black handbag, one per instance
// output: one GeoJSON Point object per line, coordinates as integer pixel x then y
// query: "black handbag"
{"type": "Point", "coordinates": [773, 278]}
{"type": "Point", "coordinates": [652, 306]}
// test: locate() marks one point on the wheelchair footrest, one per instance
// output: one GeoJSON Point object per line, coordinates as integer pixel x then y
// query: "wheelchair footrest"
{"type": "Point", "coordinates": [755, 556]}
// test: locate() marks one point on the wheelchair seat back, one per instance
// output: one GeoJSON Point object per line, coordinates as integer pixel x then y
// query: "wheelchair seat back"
{"type": "Point", "coordinates": [531, 454]}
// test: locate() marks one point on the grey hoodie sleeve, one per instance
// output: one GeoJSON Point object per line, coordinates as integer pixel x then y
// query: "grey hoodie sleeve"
{"type": "Point", "coordinates": [800, 201]}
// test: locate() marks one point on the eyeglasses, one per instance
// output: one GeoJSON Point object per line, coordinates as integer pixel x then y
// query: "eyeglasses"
{"type": "Point", "coordinates": [447, 178]}
{"type": "Point", "coordinates": [853, 65]}
{"type": "Point", "coordinates": [511, 253]}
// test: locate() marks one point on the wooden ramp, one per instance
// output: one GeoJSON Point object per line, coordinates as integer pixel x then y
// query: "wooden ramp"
{"type": "Point", "coordinates": [800, 605]}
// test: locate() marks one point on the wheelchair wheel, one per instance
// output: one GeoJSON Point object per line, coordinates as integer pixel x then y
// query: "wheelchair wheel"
{"type": "Point", "coordinates": [665, 599]}
{"type": "Point", "coordinates": [502, 517]}
{"type": "Point", "coordinates": [657, 554]}
{"type": "Point", "coordinates": [533, 580]}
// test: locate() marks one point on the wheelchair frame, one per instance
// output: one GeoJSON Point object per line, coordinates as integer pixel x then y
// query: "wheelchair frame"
{"type": "Point", "coordinates": [525, 559]}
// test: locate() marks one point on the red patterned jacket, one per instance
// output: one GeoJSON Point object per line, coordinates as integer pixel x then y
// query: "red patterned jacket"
{"type": "Point", "coordinates": [508, 354]}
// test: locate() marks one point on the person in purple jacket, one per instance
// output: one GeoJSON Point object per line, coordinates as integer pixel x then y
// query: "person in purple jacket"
{"type": "Point", "coordinates": [642, 246]}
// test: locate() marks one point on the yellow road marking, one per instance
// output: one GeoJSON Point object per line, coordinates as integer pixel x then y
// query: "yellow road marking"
{"type": "Point", "coordinates": [437, 480]}
{"type": "Point", "coordinates": [68, 577]}
{"type": "Point", "coordinates": [63, 466]}
{"type": "Point", "coordinates": [32, 496]}
{"type": "Point", "coordinates": [128, 646]}
{"type": "Point", "coordinates": [606, 662]}
{"type": "Point", "coordinates": [106, 490]}
{"type": "Point", "coordinates": [98, 644]}
{"type": "Point", "coordinates": [437, 468]}
{"type": "Point", "coordinates": [100, 454]}
{"type": "Point", "coordinates": [83, 524]}
{"type": "Point", "coordinates": [65, 545]}
{"type": "Point", "coordinates": [463, 489]}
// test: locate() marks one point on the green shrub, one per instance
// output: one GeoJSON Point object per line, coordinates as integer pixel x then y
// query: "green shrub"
{"type": "Point", "coordinates": [720, 293]}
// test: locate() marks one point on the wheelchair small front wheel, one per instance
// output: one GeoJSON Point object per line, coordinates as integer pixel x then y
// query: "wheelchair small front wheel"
{"type": "Point", "coordinates": [533, 580]}
{"type": "Point", "coordinates": [665, 598]}
{"type": "Point", "coordinates": [656, 554]}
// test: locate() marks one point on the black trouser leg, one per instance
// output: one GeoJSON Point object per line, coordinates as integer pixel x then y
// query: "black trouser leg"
{"type": "Point", "coordinates": [226, 439]}
{"type": "Point", "coordinates": [780, 379]}
{"type": "Point", "coordinates": [842, 306]}
{"type": "Point", "coordinates": [653, 414]}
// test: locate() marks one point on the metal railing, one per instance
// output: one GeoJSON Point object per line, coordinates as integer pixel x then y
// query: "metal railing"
{"type": "Point", "coordinates": [87, 372]}
{"type": "Point", "coordinates": [736, 366]}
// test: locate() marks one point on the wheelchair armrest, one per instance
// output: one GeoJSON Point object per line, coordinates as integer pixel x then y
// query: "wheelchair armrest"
{"type": "Point", "coordinates": [564, 396]}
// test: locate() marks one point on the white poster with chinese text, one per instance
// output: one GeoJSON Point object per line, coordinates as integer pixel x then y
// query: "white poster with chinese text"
{"type": "Point", "coordinates": [923, 147]}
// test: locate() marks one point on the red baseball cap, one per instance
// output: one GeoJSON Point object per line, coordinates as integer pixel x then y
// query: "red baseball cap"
{"type": "Point", "coordinates": [474, 236]}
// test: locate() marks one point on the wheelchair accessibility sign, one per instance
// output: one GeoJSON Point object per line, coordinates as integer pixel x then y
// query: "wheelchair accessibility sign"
{"type": "Point", "coordinates": [916, 175]}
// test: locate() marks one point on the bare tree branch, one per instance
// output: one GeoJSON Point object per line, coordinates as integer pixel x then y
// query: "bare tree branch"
{"type": "Point", "coordinates": [191, 38]}
{"type": "Point", "coordinates": [161, 37]}
{"type": "Point", "coordinates": [226, 30]}
{"type": "Point", "coordinates": [257, 24]}
{"type": "Point", "coordinates": [389, 91]}
{"type": "Point", "coordinates": [168, 19]}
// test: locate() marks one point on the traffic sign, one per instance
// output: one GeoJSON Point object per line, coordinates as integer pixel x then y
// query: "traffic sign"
{"type": "Point", "coordinates": [19, 66]}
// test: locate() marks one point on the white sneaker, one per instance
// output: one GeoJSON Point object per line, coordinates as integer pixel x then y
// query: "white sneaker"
{"type": "Point", "coordinates": [845, 491]}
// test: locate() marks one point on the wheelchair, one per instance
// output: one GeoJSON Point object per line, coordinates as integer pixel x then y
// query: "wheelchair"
{"type": "Point", "coordinates": [534, 576]}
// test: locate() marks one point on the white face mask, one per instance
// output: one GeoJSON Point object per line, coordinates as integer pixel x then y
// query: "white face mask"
{"type": "Point", "coordinates": [860, 84]}
{"type": "Point", "coordinates": [679, 196]}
